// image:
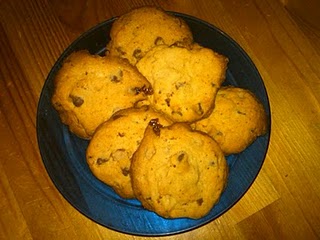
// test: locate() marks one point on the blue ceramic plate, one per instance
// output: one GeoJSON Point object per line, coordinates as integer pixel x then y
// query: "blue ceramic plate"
{"type": "Point", "coordinates": [63, 153]}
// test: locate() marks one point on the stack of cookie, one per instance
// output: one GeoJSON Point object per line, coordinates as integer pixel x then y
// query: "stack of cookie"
{"type": "Point", "coordinates": [159, 122]}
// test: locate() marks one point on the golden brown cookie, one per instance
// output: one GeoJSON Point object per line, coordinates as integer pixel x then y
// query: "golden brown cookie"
{"type": "Point", "coordinates": [136, 32]}
{"type": "Point", "coordinates": [185, 80]}
{"type": "Point", "coordinates": [177, 172]}
{"type": "Point", "coordinates": [237, 119]}
{"type": "Point", "coordinates": [113, 144]}
{"type": "Point", "coordinates": [90, 88]}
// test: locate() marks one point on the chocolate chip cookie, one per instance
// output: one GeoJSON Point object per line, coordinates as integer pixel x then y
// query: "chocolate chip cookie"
{"type": "Point", "coordinates": [136, 32]}
{"type": "Point", "coordinates": [90, 88]}
{"type": "Point", "coordinates": [177, 172]}
{"type": "Point", "coordinates": [237, 119]}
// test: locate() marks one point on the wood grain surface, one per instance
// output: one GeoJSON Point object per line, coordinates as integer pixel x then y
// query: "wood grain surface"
{"type": "Point", "coordinates": [283, 202]}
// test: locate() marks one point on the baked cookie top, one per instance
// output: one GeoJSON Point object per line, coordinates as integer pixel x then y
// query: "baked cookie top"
{"type": "Point", "coordinates": [185, 80]}
{"type": "Point", "coordinates": [90, 88]}
{"type": "Point", "coordinates": [113, 144]}
{"type": "Point", "coordinates": [237, 119]}
{"type": "Point", "coordinates": [177, 172]}
{"type": "Point", "coordinates": [136, 32]}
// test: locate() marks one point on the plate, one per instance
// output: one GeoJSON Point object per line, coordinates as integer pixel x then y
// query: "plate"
{"type": "Point", "coordinates": [63, 153]}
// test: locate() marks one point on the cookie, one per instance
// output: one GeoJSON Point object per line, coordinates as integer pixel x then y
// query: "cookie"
{"type": "Point", "coordinates": [237, 119]}
{"type": "Point", "coordinates": [185, 80]}
{"type": "Point", "coordinates": [111, 148]}
{"type": "Point", "coordinates": [177, 172]}
{"type": "Point", "coordinates": [90, 88]}
{"type": "Point", "coordinates": [136, 32]}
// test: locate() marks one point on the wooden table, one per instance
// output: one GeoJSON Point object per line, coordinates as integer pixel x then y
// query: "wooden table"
{"type": "Point", "coordinates": [283, 202]}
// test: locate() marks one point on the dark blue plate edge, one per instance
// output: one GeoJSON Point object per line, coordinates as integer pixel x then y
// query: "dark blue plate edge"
{"type": "Point", "coordinates": [71, 48]}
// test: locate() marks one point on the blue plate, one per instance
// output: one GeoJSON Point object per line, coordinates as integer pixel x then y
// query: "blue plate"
{"type": "Point", "coordinates": [63, 153]}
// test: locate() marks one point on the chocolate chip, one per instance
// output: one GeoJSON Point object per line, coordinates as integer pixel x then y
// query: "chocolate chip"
{"type": "Point", "coordinates": [158, 41]}
{"type": "Point", "coordinates": [180, 157]}
{"type": "Point", "coordinates": [77, 101]}
{"type": "Point", "coordinates": [219, 133]}
{"type": "Point", "coordinates": [117, 77]}
{"type": "Point", "coordinates": [144, 89]}
{"type": "Point", "coordinates": [137, 53]}
{"type": "Point", "coordinates": [200, 201]}
{"type": "Point", "coordinates": [168, 101]}
{"type": "Point", "coordinates": [241, 113]}
{"type": "Point", "coordinates": [101, 161]}
{"type": "Point", "coordinates": [125, 171]}
{"type": "Point", "coordinates": [155, 126]}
